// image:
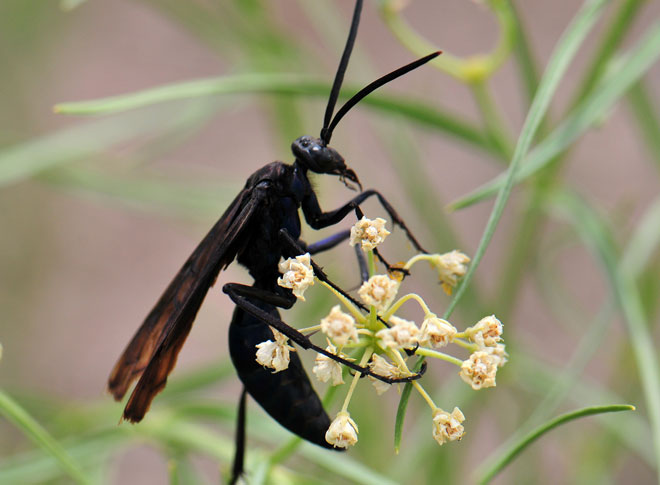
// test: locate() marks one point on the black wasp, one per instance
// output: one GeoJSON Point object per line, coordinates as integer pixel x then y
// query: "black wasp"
{"type": "Point", "coordinates": [261, 226]}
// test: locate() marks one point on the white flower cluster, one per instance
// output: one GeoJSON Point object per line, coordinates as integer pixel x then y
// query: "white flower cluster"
{"type": "Point", "coordinates": [325, 369]}
{"type": "Point", "coordinates": [379, 291]}
{"type": "Point", "coordinates": [342, 432]}
{"type": "Point", "coordinates": [451, 266]}
{"type": "Point", "coordinates": [386, 347]}
{"type": "Point", "coordinates": [481, 368]}
{"type": "Point", "coordinates": [368, 233]}
{"type": "Point", "coordinates": [275, 355]}
{"type": "Point", "coordinates": [446, 426]}
{"type": "Point", "coordinates": [297, 274]}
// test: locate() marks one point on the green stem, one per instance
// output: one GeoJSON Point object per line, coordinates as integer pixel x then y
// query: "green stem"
{"type": "Point", "coordinates": [493, 120]}
{"type": "Point", "coordinates": [438, 355]}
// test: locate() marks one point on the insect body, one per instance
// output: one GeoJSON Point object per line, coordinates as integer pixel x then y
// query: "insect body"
{"type": "Point", "coordinates": [261, 226]}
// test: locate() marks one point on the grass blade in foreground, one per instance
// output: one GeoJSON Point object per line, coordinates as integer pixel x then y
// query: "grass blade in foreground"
{"type": "Point", "coordinates": [630, 70]}
{"type": "Point", "coordinates": [593, 230]}
{"type": "Point", "coordinates": [281, 84]}
{"type": "Point", "coordinates": [27, 424]}
{"type": "Point", "coordinates": [486, 475]}
{"type": "Point", "coordinates": [562, 56]}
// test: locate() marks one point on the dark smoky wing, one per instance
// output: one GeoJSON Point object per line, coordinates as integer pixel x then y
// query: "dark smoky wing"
{"type": "Point", "coordinates": [153, 350]}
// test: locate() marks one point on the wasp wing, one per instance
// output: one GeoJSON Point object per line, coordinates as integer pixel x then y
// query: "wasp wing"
{"type": "Point", "coordinates": [151, 354]}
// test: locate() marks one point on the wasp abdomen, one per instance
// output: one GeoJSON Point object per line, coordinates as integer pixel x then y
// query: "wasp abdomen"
{"type": "Point", "coordinates": [288, 395]}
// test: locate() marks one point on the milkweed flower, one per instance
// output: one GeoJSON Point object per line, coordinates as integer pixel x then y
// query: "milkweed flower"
{"type": "Point", "coordinates": [342, 432]}
{"type": "Point", "coordinates": [436, 332]}
{"type": "Point", "coordinates": [325, 369]}
{"type": "Point", "coordinates": [446, 426]}
{"type": "Point", "coordinates": [368, 233]}
{"type": "Point", "coordinates": [382, 367]}
{"type": "Point", "coordinates": [480, 369]}
{"type": "Point", "coordinates": [451, 266]}
{"type": "Point", "coordinates": [379, 291]}
{"type": "Point", "coordinates": [498, 353]}
{"type": "Point", "coordinates": [275, 355]}
{"type": "Point", "coordinates": [487, 332]}
{"type": "Point", "coordinates": [339, 326]}
{"type": "Point", "coordinates": [297, 274]}
{"type": "Point", "coordinates": [403, 334]}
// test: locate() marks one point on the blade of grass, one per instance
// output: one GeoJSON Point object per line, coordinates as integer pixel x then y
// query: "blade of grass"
{"type": "Point", "coordinates": [564, 52]}
{"type": "Point", "coordinates": [84, 141]}
{"type": "Point", "coordinates": [643, 107]}
{"type": "Point", "coordinates": [527, 229]}
{"type": "Point", "coordinates": [165, 195]}
{"type": "Point", "coordinates": [596, 235]}
{"type": "Point", "coordinates": [632, 430]}
{"type": "Point", "coordinates": [282, 84]}
{"type": "Point", "coordinates": [486, 475]}
{"type": "Point", "coordinates": [28, 425]}
{"type": "Point", "coordinates": [628, 71]}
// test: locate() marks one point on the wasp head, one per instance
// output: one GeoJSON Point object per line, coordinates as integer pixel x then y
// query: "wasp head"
{"type": "Point", "coordinates": [315, 155]}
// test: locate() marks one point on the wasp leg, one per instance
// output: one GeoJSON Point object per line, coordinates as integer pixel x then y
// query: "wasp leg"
{"type": "Point", "coordinates": [327, 243]}
{"type": "Point", "coordinates": [239, 455]}
{"type": "Point", "coordinates": [331, 242]}
{"type": "Point", "coordinates": [318, 219]}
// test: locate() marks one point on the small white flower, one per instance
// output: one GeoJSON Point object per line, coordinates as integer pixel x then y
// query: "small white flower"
{"type": "Point", "coordinates": [448, 427]}
{"type": "Point", "coordinates": [275, 355]}
{"type": "Point", "coordinates": [327, 369]}
{"type": "Point", "coordinates": [339, 326]}
{"type": "Point", "coordinates": [487, 332]}
{"type": "Point", "coordinates": [451, 266]}
{"type": "Point", "coordinates": [369, 233]}
{"type": "Point", "coordinates": [403, 334]}
{"type": "Point", "coordinates": [379, 291]}
{"type": "Point", "coordinates": [297, 274]}
{"type": "Point", "coordinates": [498, 353]}
{"type": "Point", "coordinates": [480, 370]}
{"type": "Point", "coordinates": [342, 432]}
{"type": "Point", "coordinates": [436, 332]}
{"type": "Point", "coordinates": [383, 368]}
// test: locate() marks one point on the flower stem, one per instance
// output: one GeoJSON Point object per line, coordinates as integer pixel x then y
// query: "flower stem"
{"type": "Point", "coordinates": [356, 378]}
{"type": "Point", "coordinates": [438, 355]}
{"type": "Point", "coordinates": [357, 314]}
{"type": "Point", "coordinates": [411, 296]}
{"type": "Point", "coordinates": [425, 395]}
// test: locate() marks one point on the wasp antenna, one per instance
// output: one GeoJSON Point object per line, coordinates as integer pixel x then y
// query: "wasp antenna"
{"type": "Point", "coordinates": [341, 70]}
{"type": "Point", "coordinates": [373, 86]}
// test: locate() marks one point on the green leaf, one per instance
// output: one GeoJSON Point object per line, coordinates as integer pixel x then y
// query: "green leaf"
{"type": "Point", "coordinates": [485, 476]}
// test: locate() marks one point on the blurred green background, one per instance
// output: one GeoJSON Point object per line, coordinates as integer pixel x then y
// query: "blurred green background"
{"type": "Point", "coordinates": [101, 202]}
